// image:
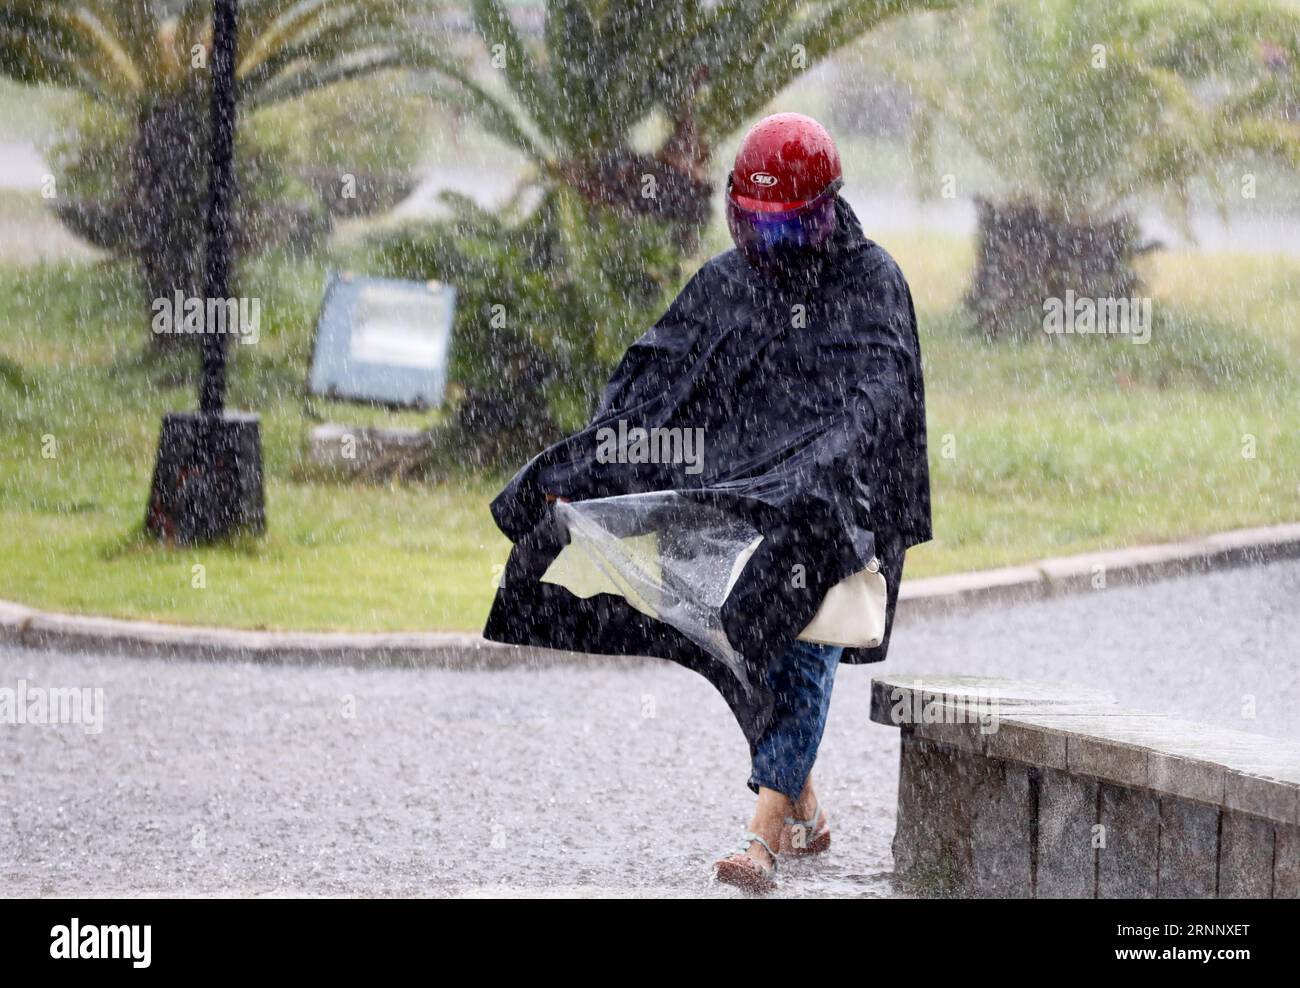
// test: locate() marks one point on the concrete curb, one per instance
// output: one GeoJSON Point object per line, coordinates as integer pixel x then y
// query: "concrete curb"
{"type": "Point", "coordinates": [1119, 567]}
{"type": "Point", "coordinates": [31, 628]}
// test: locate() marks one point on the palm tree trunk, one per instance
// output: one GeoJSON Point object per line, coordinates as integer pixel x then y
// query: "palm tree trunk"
{"type": "Point", "coordinates": [169, 174]}
{"type": "Point", "coordinates": [635, 184]}
{"type": "Point", "coordinates": [1027, 253]}
{"type": "Point", "coordinates": [672, 184]}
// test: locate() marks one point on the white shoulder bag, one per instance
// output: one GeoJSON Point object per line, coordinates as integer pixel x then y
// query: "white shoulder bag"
{"type": "Point", "coordinates": [852, 614]}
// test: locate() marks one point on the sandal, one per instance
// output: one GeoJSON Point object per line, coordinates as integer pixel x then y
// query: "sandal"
{"type": "Point", "coordinates": [805, 838]}
{"type": "Point", "coordinates": [742, 871]}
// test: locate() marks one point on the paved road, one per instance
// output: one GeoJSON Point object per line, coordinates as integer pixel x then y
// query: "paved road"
{"type": "Point", "coordinates": [618, 779]}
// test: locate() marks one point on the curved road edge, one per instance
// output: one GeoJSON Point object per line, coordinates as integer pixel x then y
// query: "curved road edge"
{"type": "Point", "coordinates": [31, 628]}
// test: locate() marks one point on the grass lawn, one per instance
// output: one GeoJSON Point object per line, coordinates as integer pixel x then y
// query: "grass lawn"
{"type": "Point", "coordinates": [1036, 449]}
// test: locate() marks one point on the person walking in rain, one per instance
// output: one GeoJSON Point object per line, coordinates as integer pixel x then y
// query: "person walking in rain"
{"type": "Point", "coordinates": [778, 545]}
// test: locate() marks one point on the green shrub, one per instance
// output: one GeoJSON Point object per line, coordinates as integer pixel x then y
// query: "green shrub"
{"type": "Point", "coordinates": [546, 304]}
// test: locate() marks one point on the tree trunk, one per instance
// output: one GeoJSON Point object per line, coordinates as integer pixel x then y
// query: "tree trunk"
{"type": "Point", "coordinates": [671, 185]}
{"type": "Point", "coordinates": [633, 184]}
{"type": "Point", "coordinates": [169, 164]}
{"type": "Point", "coordinates": [1027, 253]}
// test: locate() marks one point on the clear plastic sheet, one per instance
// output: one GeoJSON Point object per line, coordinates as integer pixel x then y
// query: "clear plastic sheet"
{"type": "Point", "coordinates": [672, 558]}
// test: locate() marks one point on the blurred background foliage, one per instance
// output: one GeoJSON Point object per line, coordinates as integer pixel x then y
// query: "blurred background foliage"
{"type": "Point", "coordinates": [531, 204]}
{"type": "Point", "coordinates": [1085, 107]}
{"type": "Point", "coordinates": [1079, 109]}
{"type": "Point", "coordinates": [133, 163]}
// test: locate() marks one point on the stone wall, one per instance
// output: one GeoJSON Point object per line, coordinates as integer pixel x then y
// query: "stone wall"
{"type": "Point", "coordinates": [1011, 789]}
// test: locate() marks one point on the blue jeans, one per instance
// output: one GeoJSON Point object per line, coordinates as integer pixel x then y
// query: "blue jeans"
{"type": "Point", "coordinates": [801, 681]}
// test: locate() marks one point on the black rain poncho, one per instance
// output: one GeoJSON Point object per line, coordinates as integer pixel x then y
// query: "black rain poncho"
{"type": "Point", "coordinates": [788, 415]}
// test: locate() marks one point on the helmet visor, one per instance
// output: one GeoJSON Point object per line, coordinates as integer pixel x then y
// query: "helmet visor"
{"type": "Point", "coordinates": [765, 236]}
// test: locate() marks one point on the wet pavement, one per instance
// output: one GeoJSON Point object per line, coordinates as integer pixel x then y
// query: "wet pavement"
{"type": "Point", "coordinates": [616, 779]}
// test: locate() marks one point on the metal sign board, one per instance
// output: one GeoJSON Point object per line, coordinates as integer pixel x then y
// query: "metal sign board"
{"type": "Point", "coordinates": [384, 341]}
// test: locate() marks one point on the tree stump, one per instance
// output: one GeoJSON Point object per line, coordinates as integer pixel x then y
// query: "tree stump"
{"type": "Point", "coordinates": [1026, 253]}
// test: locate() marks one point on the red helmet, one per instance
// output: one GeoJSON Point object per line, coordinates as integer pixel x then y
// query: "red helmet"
{"type": "Point", "coordinates": [781, 192]}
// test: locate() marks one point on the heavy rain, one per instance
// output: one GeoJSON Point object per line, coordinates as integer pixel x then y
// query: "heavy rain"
{"type": "Point", "coordinates": [496, 448]}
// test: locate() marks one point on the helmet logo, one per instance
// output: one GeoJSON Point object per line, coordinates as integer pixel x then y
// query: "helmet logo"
{"type": "Point", "coordinates": [765, 179]}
